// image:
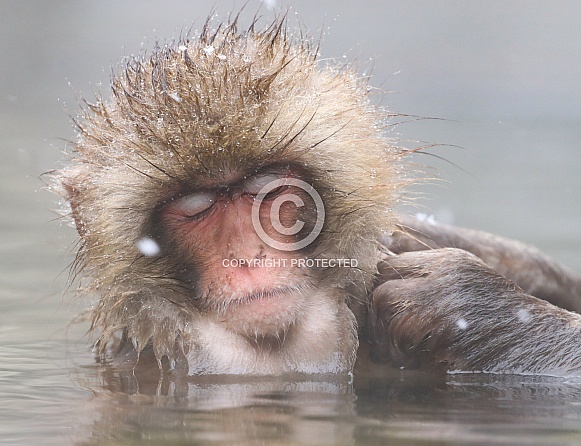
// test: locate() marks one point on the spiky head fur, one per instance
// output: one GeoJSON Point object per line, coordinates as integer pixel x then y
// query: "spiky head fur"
{"type": "Point", "coordinates": [199, 109]}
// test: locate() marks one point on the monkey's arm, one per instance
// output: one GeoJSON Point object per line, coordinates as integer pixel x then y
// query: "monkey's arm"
{"type": "Point", "coordinates": [447, 307]}
{"type": "Point", "coordinates": [534, 272]}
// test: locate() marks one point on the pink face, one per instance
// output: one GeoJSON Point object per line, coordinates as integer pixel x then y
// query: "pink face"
{"type": "Point", "coordinates": [251, 286]}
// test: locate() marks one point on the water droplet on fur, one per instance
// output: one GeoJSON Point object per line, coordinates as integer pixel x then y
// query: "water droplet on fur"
{"type": "Point", "coordinates": [148, 247]}
{"type": "Point", "coordinates": [175, 97]}
{"type": "Point", "coordinates": [462, 324]}
{"type": "Point", "coordinates": [523, 315]}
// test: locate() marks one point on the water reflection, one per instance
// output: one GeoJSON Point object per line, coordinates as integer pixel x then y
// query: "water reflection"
{"type": "Point", "coordinates": [136, 407]}
{"type": "Point", "coordinates": [381, 404]}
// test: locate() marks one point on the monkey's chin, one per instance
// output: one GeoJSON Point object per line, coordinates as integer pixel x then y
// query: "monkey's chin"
{"type": "Point", "coordinates": [264, 313]}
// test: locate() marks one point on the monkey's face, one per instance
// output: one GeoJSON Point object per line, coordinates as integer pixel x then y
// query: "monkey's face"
{"type": "Point", "coordinates": [222, 240]}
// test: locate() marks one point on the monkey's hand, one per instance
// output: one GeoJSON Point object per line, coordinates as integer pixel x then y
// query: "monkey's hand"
{"type": "Point", "coordinates": [447, 307]}
{"type": "Point", "coordinates": [533, 271]}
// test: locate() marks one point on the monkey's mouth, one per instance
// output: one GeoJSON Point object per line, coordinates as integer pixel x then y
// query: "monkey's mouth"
{"type": "Point", "coordinates": [263, 294]}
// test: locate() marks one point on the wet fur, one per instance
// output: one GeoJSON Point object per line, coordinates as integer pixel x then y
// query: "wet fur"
{"type": "Point", "coordinates": [196, 111]}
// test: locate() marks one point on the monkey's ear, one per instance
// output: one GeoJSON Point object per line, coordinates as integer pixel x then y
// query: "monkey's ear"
{"type": "Point", "coordinates": [72, 195]}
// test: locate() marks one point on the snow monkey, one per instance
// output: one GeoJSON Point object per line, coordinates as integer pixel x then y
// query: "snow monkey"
{"type": "Point", "coordinates": [234, 199]}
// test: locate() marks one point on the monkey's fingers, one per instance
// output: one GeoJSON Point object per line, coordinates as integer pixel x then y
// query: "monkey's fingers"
{"type": "Point", "coordinates": [395, 333]}
{"type": "Point", "coordinates": [421, 263]}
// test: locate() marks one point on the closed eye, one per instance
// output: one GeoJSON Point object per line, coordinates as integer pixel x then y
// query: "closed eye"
{"type": "Point", "coordinates": [193, 205]}
{"type": "Point", "coordinates": [255, 183]}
